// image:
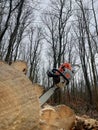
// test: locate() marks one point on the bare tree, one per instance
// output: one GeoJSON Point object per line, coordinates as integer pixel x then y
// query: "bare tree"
{"type": "Point", "coordinates": [6, 10]}
{"type": "Point", "coordinates": [56, 23]}
{"type": "Point", "coordinates": [3, 5]}
{"type": "Point", "coordinates": [95, 26]}
{"type": "Point", "coordinates": [56, 33]}
{"type": "Point", "coordinates": [50, 35]}
{"type": "Point", "coordinates": [16, 16]}
{"type": "Point", "coordinates": [13, 35]}
{"type": "Point", "coordinates": [95, 17]}
{"type": "Point", "coordinates": [82, 52]}
{"type": "Point", "coordinates": [25, 22]}
{"type": "Point", "coordinates": [34, 52]}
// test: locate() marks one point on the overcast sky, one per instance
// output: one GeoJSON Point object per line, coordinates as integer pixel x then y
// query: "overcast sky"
{"type": "Point", "coordinates": [43, 4]}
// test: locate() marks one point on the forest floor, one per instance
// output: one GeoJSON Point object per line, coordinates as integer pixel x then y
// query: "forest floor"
{"type": "Point", "coordinates": [82, 108]}
{"type": "Point", "coordinates": [86, 114]}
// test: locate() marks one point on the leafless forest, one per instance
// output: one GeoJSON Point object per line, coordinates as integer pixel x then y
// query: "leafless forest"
{"type": "Point", "coordinates": [47, 35]}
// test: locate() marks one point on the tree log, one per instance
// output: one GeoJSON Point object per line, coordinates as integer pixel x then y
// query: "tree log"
{"type": "Point", "coordinates": [19, 106]}
{"type": "Point", "coordinates": [55, 118]}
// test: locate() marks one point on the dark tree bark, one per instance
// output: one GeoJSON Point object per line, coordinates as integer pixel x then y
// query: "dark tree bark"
{"type": "Point", "coordinates": [12, 40]}
{"type": "Point", "coordinates": [7, 22]}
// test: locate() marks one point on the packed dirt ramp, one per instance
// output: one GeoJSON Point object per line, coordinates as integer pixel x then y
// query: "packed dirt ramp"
{"type": "Point", "coordinates": [19, 106]}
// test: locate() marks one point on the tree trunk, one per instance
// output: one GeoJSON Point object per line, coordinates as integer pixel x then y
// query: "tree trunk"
{"type": "Point", "coordinates": [12, 40]}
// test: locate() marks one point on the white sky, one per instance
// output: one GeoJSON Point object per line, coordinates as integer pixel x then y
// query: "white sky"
{"type": "Point", "coordinates": [43, 4]}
